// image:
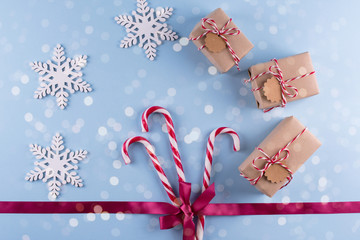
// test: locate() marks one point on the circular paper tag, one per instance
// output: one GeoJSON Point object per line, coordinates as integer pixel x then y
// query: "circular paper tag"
{"type": "Point", "coordinates": [276, 173]}
{"type": "Point", "coordinates": [214, 43]}
{"type": "Point", "coordinates": [272, 90]}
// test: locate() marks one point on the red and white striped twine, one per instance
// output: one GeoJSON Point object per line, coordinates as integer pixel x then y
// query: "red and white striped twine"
{"type": "Point", "coordinates": [284, 84]}
{"type": "Point", "coordinates": [221, 33]}
{"type": "Point", "coordinates": [273, 160]}
{"type": "Point", "coordinates": [208, 165]}
{"type": "Point", "coordinates": [171, 133]}
{"type": "Point", "coordinates": [159, 170]}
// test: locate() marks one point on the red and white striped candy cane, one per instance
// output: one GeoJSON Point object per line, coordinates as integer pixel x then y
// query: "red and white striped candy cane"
{"type": "Point", "coordinates": [208, 165]}
{"type": "Point", "coordinates": [171, 133]}
{"type": "Point", "coordinates": [284, 84]}
{"type": "Point", "coordinates": [159, 170]}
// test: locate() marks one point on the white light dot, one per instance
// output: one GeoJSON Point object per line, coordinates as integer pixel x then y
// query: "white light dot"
{"type": "Point", "coordinates": [282, 10]}
{"type": "Point", "coordinates": [208, 109]}
{"type": "Point", "coordinates": [147, 194]}
{"type": "Point", "coordinates": [117, 127]}
{"type": "Point", "coordinates": [104, 195]}
{"type": "Point", "coordinates": [88, 101]}
{"type": "Point", "coordinates": [105, 36]}
{"type": "Point", "coordinates": [15, 90]}
{"type": "Point", "coordinates": [45, 23]}
{"type": "Point", "coordinates": [243, 91]}
{"type": "Point", "coordinates": [48, 113]}
{"type": "Point", "coordinates": [89, 29]}
{"type": "Point", "coordinates": [91, 217]}
{"type": "Point", "coordinates": [184, 41]}
{"type": "Point", "coordinates": [322, 182]}
{"type": "Point", "coordinates": [102, 131]}
{"type": "Point", "coordinates": [25, 237]}
{"type": "Point", "coordinates": [202, 86]}
{"type": "Point", "coordinates": [177, 47]}
{"type": "Point", "coordinates": [115, 232]}
{"type": "Point", "coordinates": [325, 199]}
{"type": "Point", "coordinates": [120, 216]}
{"type": "Point", "coordinates": [285, 199]}
{"type": "Point", "coordinates": [114, 181]}
{"type": "Point", "coordinates": [195, 10]}
{"type": "Point", "coordinates": [24, 79]}
{"type": "Point", "coordinates": [222, 233]}
{"type": "Point", "coordinates": [352, 131]}
{"type": "Point", "coordinates": [117, 164]}
{"type": "Point", "coordinates": [217, 85]}
{"type": "Point", "coordinates": [171, 92]}
{"type": "Point", "coordinates": [73, 222]}
{"type": "Point", "coordinates": [315, 160]}
{"type": "Point", "coordinates": [141, 73]}
{"type": "Point", "coordinates": [28, 117]}
{"type": "Point", "coordinates": [129, 111]}
{"type": "Point", "coordinates": [262, 45]}
{"type": "Point", "coordinates": [259, 26]}
{"type": "Point", "coordinates": [273, 30]}
{"type": "Point", "coordinates": [212, 70]}
{"type": "Point", "coordinates": [105, 216]}
{"type": "Point", "coordinates": [281, 221]}
{"type": "Point", "coordinates": [105, 58]}
{"type": "Point", "coordinates": [180, 19]}
{"type": "Point", "coordinates": [112, 145]}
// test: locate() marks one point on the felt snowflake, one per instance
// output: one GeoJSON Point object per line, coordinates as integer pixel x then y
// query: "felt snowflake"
{"type": "Point", "coordinates": [60, 76]}
{"type": "Point", "coordinates": [146, 27]}
{"type": "Point", "coordinates": [56, 165]}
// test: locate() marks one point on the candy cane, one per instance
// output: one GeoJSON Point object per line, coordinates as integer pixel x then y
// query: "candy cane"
{"type": "Point", "coordinates": [208, 165]}
{"type": "Point", "coordinates": [150, 149]}
{"type": "Point", "coordinates": [171, 133]}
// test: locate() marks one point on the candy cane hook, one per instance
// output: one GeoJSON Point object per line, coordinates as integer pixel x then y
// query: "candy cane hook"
{"type": "Point", "coordinates": [171, 134]}
{"type": "Point", "coordinates": [208, 166]}
{"type": "Point", "coordinates": [159, 170]}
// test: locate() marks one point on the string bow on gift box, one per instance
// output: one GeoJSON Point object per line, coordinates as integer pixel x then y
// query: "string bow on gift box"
{"type": "Point", "coordinates": [210, 26]}
{"type": "Point", "coordinates": [285, 87]}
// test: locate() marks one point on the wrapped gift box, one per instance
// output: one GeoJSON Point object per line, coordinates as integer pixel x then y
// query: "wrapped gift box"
{"type": "Point", "coordinates": [299, 151]}
{"type": "Point", "coordinates": [223, 59]}
{"type": "Point", "coordinates": [291, 67]}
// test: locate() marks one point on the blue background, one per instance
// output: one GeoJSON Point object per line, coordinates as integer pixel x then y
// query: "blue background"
{"type": "Point", "coordinates": [181, 79]}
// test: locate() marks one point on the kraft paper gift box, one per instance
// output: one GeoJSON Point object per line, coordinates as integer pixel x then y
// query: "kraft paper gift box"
{"type": "Point", "coordinates": [291, 67]}
{"type": "Point", "coordinates": [221, 59]}
{"type": "Point", "coordinates": [300, 150]}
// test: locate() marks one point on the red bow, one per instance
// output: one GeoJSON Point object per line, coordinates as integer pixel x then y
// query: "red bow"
{"type": "Point", "coordinates": [186, 212]}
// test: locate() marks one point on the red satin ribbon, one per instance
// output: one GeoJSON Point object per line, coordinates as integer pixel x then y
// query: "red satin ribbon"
{"type": "Point", "coordinates": [184, 214]}
{"type": "Point", "coordinates": [164, 208]}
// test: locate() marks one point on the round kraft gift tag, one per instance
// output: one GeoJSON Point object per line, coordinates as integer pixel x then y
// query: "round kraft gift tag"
{"type": "Point", "coordinates": [214, 43]}
{"type": "Point", "coordinates": [272, 90]}
{"type": "Point", "coordinates": [276, 173]}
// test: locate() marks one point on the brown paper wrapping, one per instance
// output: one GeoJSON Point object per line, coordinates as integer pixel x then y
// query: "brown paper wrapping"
{"type": "Point", "coordinates": [222, 60]}
{"type": "Point", "coordinates": [291, 67]}
{"type": "Point", "coordinates": [300, 150]}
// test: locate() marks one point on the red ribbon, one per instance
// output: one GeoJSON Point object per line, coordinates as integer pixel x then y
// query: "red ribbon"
{"type": "Point", "coordinates": [186, 212]}
{"type": "Point", "coordinates": [162, 208]}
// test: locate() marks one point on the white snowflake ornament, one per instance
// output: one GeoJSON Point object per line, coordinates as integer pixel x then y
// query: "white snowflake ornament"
{"type": "Point", "coordinates": [56, 165]}
{"type": "Point", "coordinates": [146, 27]}
{"type": "Point", "coordinates": [60, 76]}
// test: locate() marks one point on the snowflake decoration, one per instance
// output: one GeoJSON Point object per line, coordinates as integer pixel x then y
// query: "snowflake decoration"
{"type": "Point", "coordinates": [146, 27]}
{"type": "Point", "coordinates": [56, 166]}
{"type": "Point", "coordinates": [60, 76]}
